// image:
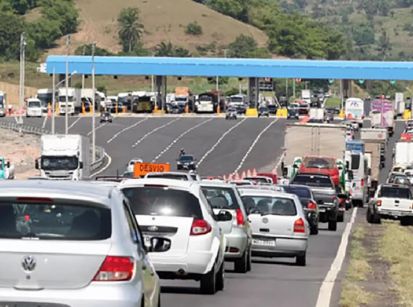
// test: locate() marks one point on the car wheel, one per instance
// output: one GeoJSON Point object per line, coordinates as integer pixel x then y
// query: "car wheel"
{"type": "Point", "coordinates": [301, 260]}
{"type": "Point", "coordinates": [249, 263]}
{"type": "Point", "coordinates": [314, 230]}
{"type": "Point", "coordinates": [340, 217]}
{"type": "Point", "coordinates": [220, 282]}
{"type": "Point", "coordinates": [369, 216]}
{"type": "Point", "coordinates": [332, 225]}
{"type": "Point", "coordinates": [405, 221]}
{"type": "Point", "coordinates": [241, 264]}
{"type": "Point", "coordinates": [208, 282]}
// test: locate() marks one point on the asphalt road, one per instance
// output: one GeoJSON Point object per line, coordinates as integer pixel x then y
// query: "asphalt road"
{"type": "Point", "coordinates": [221, 147]}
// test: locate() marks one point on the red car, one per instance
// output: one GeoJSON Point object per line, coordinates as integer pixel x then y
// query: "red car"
{"type": "Point", "coordinates": [321, 165]}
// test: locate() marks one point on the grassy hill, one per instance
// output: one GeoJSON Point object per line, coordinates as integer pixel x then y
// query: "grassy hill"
{"type": "Point", "coordinates": [163, 20]}
{"type": "Point", "coordinates": [350, 16]}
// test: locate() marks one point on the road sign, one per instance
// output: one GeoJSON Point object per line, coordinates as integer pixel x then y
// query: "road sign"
{"type": "Point", "coordinates": [141, 169]}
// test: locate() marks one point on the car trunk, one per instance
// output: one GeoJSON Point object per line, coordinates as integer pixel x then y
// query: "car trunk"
{"type": "Point", "coordinates": [272, 225]}
{"type": "Point", "coordinates": [48, 264]}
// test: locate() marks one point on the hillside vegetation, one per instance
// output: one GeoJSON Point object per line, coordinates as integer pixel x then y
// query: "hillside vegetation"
{"type": "Point", "coordinates": [376, 29]}
{"type": "Point", "coordinates": [163, 21]}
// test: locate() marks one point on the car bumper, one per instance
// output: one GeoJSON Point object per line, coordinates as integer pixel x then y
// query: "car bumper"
{"type": "Point", "coordinates": [191, 263]}
{"type": "Point", "coordinates": [99, 295]}
{"type": "Point", "coordinates": [284, 246]}
{"type": "Point", "coordinates": [237, 243]}
{"type": "Point", "coordinates": [395, 213]}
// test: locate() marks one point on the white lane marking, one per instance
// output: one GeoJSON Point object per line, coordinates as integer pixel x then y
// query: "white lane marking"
{"type": "Point", "coordinates": [153, 131]}
{"type": "Point", "coordinates": [106, 166]}
{"type": "Point", "coordinates": [326, 289]}
{"type": "Point", "coordinates": [180, 137]}
{"type": "Point", "coordinates": [253, 145]}
{"type": "Point", "coordinates": [74, 123]}
{"type": "Point", "coordinates": [44, 122]}
{"type": "Point", "coordinates": [126, 129]}
{"type": "Point", "coordinates": [218, 142]}
{"type": "Point", "coordinates": [97, 128]}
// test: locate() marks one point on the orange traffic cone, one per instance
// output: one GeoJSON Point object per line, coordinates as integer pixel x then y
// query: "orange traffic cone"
{"type": "Point", "coordinates": [49, 111]}
{"type": "Point", "coordinates": [243, 175]}
{"type": "Point", "coordinates": [254, 172]}
{"type": "Point", "coordinates": [248, 173]}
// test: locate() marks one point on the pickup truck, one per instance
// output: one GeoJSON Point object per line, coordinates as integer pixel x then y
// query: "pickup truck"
{"type": "Point", "coordinates": [391, 201]}
{"type": "Point", "coordinates": [325, 194]}
{"type": "Point", "coordinates": [6, 169]}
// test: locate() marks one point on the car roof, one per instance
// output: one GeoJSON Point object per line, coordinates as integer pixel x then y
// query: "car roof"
{"type": "Point", "coordinates": [171, 183]}
{"type": "Point", "coordinates": [301, 186]}
{"type": "Point", "coordinates": [394, 185]}
{"type": "Point", "coordinates": [312, 175]}
{"type": "Point", "coordinates": [183, 174]}
{"type": "Point", "coordinates": [254, 192]}
{"type": "Point", "coordinates": [58, 189]}
{"type": "Point", "coordinates": [212, 183]}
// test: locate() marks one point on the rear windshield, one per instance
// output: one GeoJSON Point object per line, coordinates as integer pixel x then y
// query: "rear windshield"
{"type": "Point", "coordinates": [394, 192]}
{"type": "Point", "coordinates": [355, 162]}
{"type": "Point", "coordinates": [221, 198]}
{"type": "Point", "coordinates": [301, 192]}
{"type": "Point", "coordinates": [318, 163]}
{"type": "Point", "coordinates": [168, 176]}
{"type": "Point", "coordinates": [163, 201]}
{"type": "Point", "coordinates": [265, 205]}
{"type": "Point", "coordinates": [54, 221]}
{"type": "Point", "coordinates": [313, 181]}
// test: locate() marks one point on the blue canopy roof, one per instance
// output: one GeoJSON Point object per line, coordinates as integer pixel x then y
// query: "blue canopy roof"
{"type": "Point", "coordinates": [225, 67]}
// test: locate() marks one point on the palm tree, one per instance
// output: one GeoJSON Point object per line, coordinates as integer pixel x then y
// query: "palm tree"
{"type": "Point", "coordinates": [130, 30]}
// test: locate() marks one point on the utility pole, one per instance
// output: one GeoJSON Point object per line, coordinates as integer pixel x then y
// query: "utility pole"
{"type": "Point", "coordinates": [53, 100]}
{"type": "Point", "coordinates": [67, 85]}
{"type": "Point", "coordinates": [93, 105]}
{"type": "Point", "coordinates": [22, 75]}
{"type": "Point", "coordinates": [83, 75]}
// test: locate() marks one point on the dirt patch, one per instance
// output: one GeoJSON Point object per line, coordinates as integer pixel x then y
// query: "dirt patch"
{"type": "Point", "coordinates": [21, 151]}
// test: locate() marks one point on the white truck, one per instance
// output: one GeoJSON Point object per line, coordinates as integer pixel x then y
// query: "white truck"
{"type": "Point", "coordinates": [71, 100]}
{"type": "Point", "coordinates": [354, 110]}
{"type": "Point", "coordinates": [403, 154]}
{"type": "Point", "coordinates": [391, 201]}
{"type": "Point", "coordinates": [204, 103]}
{"type": "Point", "coordinates": [324, 140]}
{"type": "Point", "coordinates": [399, 104]}
{"type": "Point", "coordinates": [3, 104]}
{"type": "Point", "coordinates": [316, 114]}
{"type": "Point", "coordinates": [306, 96]}
{"type": "Point", "coordinates": [64, 157]}
{"type": "Point", "coordinates": [45, 95]}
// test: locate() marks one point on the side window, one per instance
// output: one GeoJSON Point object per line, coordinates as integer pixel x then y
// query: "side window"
{"type": "Point", "coordinates": [205, 201]}
{"type": "Point", "coordinates": [133, 225]}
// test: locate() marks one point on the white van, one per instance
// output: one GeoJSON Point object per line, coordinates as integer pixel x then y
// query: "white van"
{"type": "Point", "coordinates": [34, 107]}
{"type": "Point", "coordinates": [358, 169]}
{"type": "Point", "coordinates": [354, 110]}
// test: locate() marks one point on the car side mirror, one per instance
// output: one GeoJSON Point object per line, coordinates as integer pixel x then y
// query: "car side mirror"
{"type": "Point", "coordinates": [8, 164]}
{"type": "Point", "coordinates": [80, 164]}
{"type": "Point", "coordinates": [36, 164]}
{"type": "Point", "coordinates": [159, 245]}
{"type": "Point", "coordinates": [223, 216]}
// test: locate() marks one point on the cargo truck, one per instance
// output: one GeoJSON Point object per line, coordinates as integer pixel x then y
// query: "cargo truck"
{"type": "Point", "coordinates": [382, 115]}
{"type": "Point", "coordinates": [403, 154]}
{"type": "Point", "coordinates": [64, 157]}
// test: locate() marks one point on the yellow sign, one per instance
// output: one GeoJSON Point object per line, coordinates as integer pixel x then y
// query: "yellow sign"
{"type": "Point", "coordinates": [141, 169]}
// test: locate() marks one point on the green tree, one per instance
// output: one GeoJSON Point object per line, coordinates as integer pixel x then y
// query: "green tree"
{"type": "Point", "coordinates": [11, 27]}
{"type": "Point", "coordinates": [242, 47]}
{"type": "Point", "coordinates": [167, 49]}
{"type": "Point", "coordinates": [64, 12]}
{"type": "Point", "coordinates": [44, 32]}
{"type": "Point", "coordinates": [87, 50]}
{"type": "Point", "coordinates": [234, 8]}
{"type": "Point", "coordinates": [130, 29]}
{"type": "Point", "coordinates": [193, 28]}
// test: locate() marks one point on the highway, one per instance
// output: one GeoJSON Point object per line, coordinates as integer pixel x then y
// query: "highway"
{"type": "Point", "coordinates": [220, 147]}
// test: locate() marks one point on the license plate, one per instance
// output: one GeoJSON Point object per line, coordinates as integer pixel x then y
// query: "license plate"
{"type": "Point", "coordinates": [263, 242]}
{"type": "Point", "coordinates": [322, 209]}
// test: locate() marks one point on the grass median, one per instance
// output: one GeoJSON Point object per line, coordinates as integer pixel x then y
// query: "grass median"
{"type": "Point", "coordinates": [353, 293]}
{"type": "Point", "coordinates": [396, 248]}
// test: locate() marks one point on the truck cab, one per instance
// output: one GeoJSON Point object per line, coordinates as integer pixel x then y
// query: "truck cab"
{"type": "Point", "coordinates": [71, 100]}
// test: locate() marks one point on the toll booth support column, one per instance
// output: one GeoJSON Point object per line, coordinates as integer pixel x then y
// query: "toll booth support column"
{"type": "Point", "coordinates": [253, 92]}
{"type": "Point", "coordinates": [347, 89]}
{"type": "Point", "coordinates": [160, 86]}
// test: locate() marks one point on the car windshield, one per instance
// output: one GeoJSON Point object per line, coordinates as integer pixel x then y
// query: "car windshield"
{"type": "Point", "coordinates": [313, 180]}
{"type": "Point", "coordinates": [312, 162]}
{"type": "Point", "coordinates": [236, 99]}
{"type": "Point", "coordinates": [51, 163]}
{"type": "Point", "coordinates": [205, 98]}
{"type": "Point", "coordinates": [34, 104]}
{"type": "Point", "coordinates": [301, 192]}
{"type": "Point", "coordinates": [163, 202]}
{"type": "Point", "coordinates": [186, 158]}
{"type": "Point", "coordinates": [182, 99]}
{"type": "Point", "coordinates": [265, 205]}
{"type": "Point", "coordinates": [221, 198]}
{"type": "Point", "coordinates": [395, 192]}
{"type": "Point", "coordinates": [258, 179]}
{"type": "Point", "coordinates": [355, 162]}
{"type": "Point", "coordinates": [49, 220]}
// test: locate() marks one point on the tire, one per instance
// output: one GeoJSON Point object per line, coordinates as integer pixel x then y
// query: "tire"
{"type": "Point", "coordinates": [340, 218]}
{"type": "Point", "coordinates": [241, 264]}
{"type": "Point", "coordinates": [159, 300]}
{"type": "Point", "coordinates": [208, 282]}
{"type": "Point", "coordinates": [220, 278]}
{"type": "Point", "coordinates": [301, 260]}
{"type": "Point", "coordinates": [332, 225]}
{"type": "Point", "coordinates": [369, 216]}
{"type": "Point", "coordinates": [314, 230]}
{"type": "Point", "coordinates": [405, 221]}
{"type": "Point", "coordinates": [249, 263]}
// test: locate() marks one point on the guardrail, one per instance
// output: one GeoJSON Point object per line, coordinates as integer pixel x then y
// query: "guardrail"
{"type": "Point", "coordinates": [100, 152]}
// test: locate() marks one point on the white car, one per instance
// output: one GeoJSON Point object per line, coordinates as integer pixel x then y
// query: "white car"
{"type": "Point", "coordinates": [34, 108]}
{"type": "Point", "coordinates": [178, 210]}
{"type": "Point", "coordinates": [131, 164]}
{"type": "Point", "coordinates": [73, 244]}
{"type": "Point", "coordinates": [187, 176]}
{"type": "Point", "coordinates": [279, 225]}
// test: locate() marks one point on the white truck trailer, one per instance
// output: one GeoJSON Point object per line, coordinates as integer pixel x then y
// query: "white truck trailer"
{"type": "Point", "coordinates": [64, 157]}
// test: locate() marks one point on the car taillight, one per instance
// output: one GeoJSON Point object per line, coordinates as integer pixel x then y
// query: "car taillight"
{"type": "Point", "coordinates": [378, 203]}
{"type": "Point", "coordinates": [299, 226]}
{"type": "Point", "coordinates": [240, 217]}
{"type": "Point", "coordinates": [312, 206]}
{"type": "Point", "coordinates": [115, 268]}
{"type": "Point", "coordinates": [362, 183]}
{"type": "Point", "coordinates": [200, 227]}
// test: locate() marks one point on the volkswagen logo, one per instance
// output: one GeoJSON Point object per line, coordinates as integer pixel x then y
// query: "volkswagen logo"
{"type": "Point", "coordinates": [153, 228]}
{"type": "Point", "coordinates": [29, 263]}
{"type": "Point", "coordinates": [265, 220]}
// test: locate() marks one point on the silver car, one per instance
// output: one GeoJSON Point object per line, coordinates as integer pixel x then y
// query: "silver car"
{"type": "Point", "coordinates": [73, 244]}
{"type": "Point", "coordinates": [279, 225]}
{"type": "Point", "coordinates": [223, 196]}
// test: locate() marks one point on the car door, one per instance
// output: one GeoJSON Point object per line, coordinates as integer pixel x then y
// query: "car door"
{"type": "Point", "coordinates": [150, 279]}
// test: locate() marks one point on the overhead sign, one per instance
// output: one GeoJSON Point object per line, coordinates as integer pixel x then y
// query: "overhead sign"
{"type": "Point", "coordinates": [266, 84]}
{"type": "Point", "coordinates": [141, 169]}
